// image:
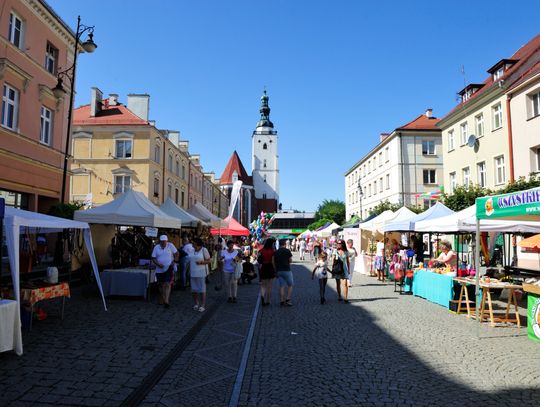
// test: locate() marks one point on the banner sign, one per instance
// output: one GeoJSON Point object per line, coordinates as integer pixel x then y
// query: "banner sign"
{"type": "Point", "coordinates": [533, 319]}
{"type": "Point", "coordinates": [519, 203]}
{"type": "Point", "coordinates": [235, 193]}
{"type": "Point", "coordinates": [151, 232]}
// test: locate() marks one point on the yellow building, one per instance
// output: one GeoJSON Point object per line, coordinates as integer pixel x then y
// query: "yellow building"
{"type": "Point", "coordinates": [116, 148]}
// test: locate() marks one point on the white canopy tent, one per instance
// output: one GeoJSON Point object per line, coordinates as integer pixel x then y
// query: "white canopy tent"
{"type": "Point", "coordinates": [327, 231]}
{"type": "Point", "coordinates": [199, 211]}
{"type": "Point", "coordinates": [465, 221]}
{"type": "Point", "coordinates": [407, 223]}
{"type": "Point", "coordinates": [403, 214]}
{"type": "Point", "coordinates": [377, 223]}
{"type": "Point", "coordinates": [17, 219]}
{"type": "Point", "coordinates": [129, 209]}
{"type": "Point", "coordinates": [187, 219]}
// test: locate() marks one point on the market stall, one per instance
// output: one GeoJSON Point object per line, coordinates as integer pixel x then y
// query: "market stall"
{"type": "Point", "coordinates": [17, 221]}
{"type": "Point", "coordinates": [187, 220]}
{"type": "Point", "coordinates": [199, 211]}
{"type": "Point", "coordinates": [517, 207]}
{"type": "Point", "coordinates": [233, 228]}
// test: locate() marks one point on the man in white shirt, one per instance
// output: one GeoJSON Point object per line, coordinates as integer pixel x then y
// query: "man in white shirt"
{"type": "Point", "coordinates": [163, 256]}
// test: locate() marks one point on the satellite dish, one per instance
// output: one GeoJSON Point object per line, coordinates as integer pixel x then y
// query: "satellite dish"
{"type": "Point", "coordinates": [471, 141]}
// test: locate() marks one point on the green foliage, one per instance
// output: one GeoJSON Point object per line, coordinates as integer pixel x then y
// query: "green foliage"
{"type": "Point", "coordinates": [65, 210]}
{"type": "Point", "coordinates": [384, 206]}
{"type": "Point", "coordinates": [318, 223]}
{"type": "Point", "coordinates": [521, 184]}
{"type": "Point", "coordinates": [332, 210]}
{"type": "Point", "coordinates": [464, 196]}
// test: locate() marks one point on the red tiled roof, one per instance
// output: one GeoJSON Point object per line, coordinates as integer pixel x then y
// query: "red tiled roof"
{"type": "Point", "coordinates": [532, 71]}
{"type": "Point", "coordinates": [111, 115]}
{"type": "Point", "coordinates": [522, 55]}
{"type": "Point", "coordinates": [422, 122]}
{"type": "Point", "coordinates": [235, 164]}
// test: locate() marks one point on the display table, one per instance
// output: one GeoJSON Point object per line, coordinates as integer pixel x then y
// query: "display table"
{"type": "Point", "coordinates": [364, 263]}
{"type": "Point", "coordinates": [10, 327]}
{"type": "Point", "coordinates": [437, 288]}
{"type": "Point", "coordinates": [464, 298]}
{"type": "Point", "coordinates": [488, 313]}
{"type": "Point", "coordinates": [129, 281]}
{"type": "Point", "coordinates": [35, 295]}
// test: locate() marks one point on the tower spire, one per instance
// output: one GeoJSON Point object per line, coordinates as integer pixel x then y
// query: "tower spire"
{"type": "Point", "coordinates": [265, 112]}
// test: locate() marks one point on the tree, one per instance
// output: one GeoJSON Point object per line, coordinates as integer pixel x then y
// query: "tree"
{"type": "Point", "coordinates": [332, 210]}
{"type": "Point", "coordinates": [464, 196]}
{"type": "Point", "coordinates": [318, 223]}
{"type": "Point", "coordinates": [384, 206]}
{"type": "Point", "coordinates": [65, 210]}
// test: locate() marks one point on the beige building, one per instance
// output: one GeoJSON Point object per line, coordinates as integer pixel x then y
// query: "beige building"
{"type": "Point", "coordinates": [524, 98]}
{"type": "Point", "coordinates": [476, 133]}
{"type": "Point", "coordinates": [116, 147]}
{"type": "Point", "coordinates": [405, 163]}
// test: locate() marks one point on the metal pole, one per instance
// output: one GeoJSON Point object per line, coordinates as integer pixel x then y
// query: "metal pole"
{"type": "Point", "coordinates": [70, 109]}
{"type": "Point", "coordinates": [477, 276]}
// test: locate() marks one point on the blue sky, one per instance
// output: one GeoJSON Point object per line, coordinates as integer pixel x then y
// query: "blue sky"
{"type": "Point", "coordinates": [338, 73]}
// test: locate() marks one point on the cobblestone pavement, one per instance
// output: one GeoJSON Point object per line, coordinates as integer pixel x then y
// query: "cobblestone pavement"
{"type": "Point", "coordinates": [98, 358]}
{"type": "Point", "coordinates": [383, 349]}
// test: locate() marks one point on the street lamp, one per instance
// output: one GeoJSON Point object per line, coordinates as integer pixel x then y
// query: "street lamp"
{"type": "Point", "coordinates": [360, 195]}
{"type": "Point", "coordinates": [89, 46]}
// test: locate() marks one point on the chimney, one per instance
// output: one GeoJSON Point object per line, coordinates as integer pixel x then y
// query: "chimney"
{"type": "Point", "coordinates": [429, 112]}
{"type": "Point", "coordinates": [139, 104]}
{"type": "Point", "coordinates": [183, 145]}
{"type": "Point", "coordinates": [95, 101]}
{"type": "Point", "coordinates": [113, 99]}
{"type": "Point", "coordinates": [383, 137]}
{"type": "Point", "coordinates": [174, 137]}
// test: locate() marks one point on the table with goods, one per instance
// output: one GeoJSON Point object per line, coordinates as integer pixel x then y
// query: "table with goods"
{"type": "Point", "coordinates": [10, 332]}
{"type": "Point", "coordinates": [127, 281]}
{"type": "Point", "coordinates": [434, 284]}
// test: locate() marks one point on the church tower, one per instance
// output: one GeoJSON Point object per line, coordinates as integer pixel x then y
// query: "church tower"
{"type": "Point", "coordinates": [265, 169]}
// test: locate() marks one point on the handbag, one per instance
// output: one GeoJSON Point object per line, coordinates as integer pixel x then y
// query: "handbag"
{"type": "Point", "coordinates": [238, 270]}
{"type": "Point", "coordinates": [337, 268]}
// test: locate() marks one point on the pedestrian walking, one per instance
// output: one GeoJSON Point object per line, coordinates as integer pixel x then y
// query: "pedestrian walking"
{"type": "Point", "coordinates": [229, 258]}
{"type": "Point", "coordinates": [198, 262]}
{"type": "Point", "coordinates": [302, 249]}
{"type": "Point", "coordinates": [342, 287]}
{"type": "Point", "coordinates": [316, 248]}
{"type": "Point", "coordinates": [352, 259]}
{"type": "Point", "coordinates": [267, 271]}
{"type": "Point", "coordinates": [379, 260]}
{"type": "Point", "coordinates": [282, 260]}
{"type": "Point", "coordinates": [164, 255]}
{"type": "Point", "coordinates": [321, 272]}
{"type": "Point", "coordinates": [310, 249]}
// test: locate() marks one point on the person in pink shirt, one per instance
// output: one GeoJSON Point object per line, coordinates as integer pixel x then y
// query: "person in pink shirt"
{"type": "Point", "coordinates": [448, 256]}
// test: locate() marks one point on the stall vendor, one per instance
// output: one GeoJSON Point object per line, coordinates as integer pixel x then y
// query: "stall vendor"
{"type": "Point", "coordinates": [164, 255]}
{"type": "Point", "coordinates": [448, 256]}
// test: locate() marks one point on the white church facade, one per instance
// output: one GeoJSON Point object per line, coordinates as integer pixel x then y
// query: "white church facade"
{"type": "Point", "coordinates": [260, 191]}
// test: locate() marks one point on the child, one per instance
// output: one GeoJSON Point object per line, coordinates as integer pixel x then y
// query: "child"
{"type": "Point", "coordinates": [248, 271]}
{"type": "Point", "coordinates": [321, 270]}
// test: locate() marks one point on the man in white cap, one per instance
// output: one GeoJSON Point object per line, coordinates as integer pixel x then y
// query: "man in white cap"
{"type": "Point", "coordinates": [163, 256]}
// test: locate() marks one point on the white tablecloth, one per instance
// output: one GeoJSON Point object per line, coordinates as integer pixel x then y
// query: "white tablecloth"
{"type": "Point", "coordinates": [10, 327]}
{"type": "Point", "coordinates": [363, 263]}
{"type": "Point", "coordinates": [130, 282]}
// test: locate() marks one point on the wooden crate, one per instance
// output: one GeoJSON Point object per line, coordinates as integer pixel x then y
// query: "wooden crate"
{"type": "Point", "coordinates": [531, 288]}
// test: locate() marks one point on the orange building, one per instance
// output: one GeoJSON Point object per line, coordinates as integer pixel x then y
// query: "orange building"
{"type": "Point", "coordinates": [35, 45]}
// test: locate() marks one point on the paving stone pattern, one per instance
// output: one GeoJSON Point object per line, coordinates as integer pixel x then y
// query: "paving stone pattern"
{"type": "Point", "coordinates": [384, 349]}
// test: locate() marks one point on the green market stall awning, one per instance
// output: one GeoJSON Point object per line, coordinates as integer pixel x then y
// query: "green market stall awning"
{"type": "Point", "coordinates": [521, 205]}
{"type": "Point", "coordinates": [355, 220]}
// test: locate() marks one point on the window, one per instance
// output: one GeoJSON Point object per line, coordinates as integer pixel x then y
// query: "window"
{"type": "Point", "coordinates": [429, 176]}
{"type": "Point", "coordinates": [156, 186]}
{"type": "Point", "coordinates": [157, 154]}
{"type": "Point", "coordinates": [10, 107]}
{"type": "Point", "coordinates": [481, 169]}
{"type": "Point", "coordinates": [122, 183]}
{"type": "Point", "coordinates": [428, 147]}
{"type": "Point", "coordinates": [170, 162]}
{"type": "Point", "coordinates": [51, 56]}
{"type": "Point", "coordinates": [264, 178]}
{"type": "Point", "coordinates": [183, 172]}
{"type": "Point", "coordinates": [450, 140]}
{"type": "Point", "coordinates": [374, 187]}
{"type": "Point", "coordinates": [369, 190]}
{"type": "Point", "coordinates": [15, 34]}
{"type": "Point", "coordinates": [176, 195]}
{"type": "Point", "coordinates": [466, 172]}
{"type": "Point", "coordinates": [479, 125]}
{"type": "Point", "coordinates": [183, 195]}
{"type": "Point", "coordinates": [387, 181]}
{"type": "Point", "coordinates": [169, 191]}
{"type": "Point", "coordinates": [496, 113]}
{"type": "Point", "coordinates": [380, 159]}
{"type": "Point", "coordinates": [453, 182]}
{"type": "Point", "coordinates": [264, 164]}
{"type": "Point", "coordinates": [177, 170]}
{"type": "Point", "coordinates": [386, 157]}
{"type": "Point", "coordinates": [500, 176]}
{"type": "Point", "coordinates": [265, 147]}
{"type": "Point", "coordinates": [498, 73]}
{"type": "Point", "coordinates": [380, 185]}
{"type": "Point", "coordinates": [45, 126]}
{"type": "Point", "coordinates": [537, 158]}
{"type": "Point", "coordinates": [464, 132]}
{"type": "Point", "coordinates": [535, 104]}
{"type": "Point", "coordinates": [123, 148]}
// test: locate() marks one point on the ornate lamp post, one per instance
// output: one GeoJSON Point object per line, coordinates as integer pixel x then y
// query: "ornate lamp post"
{"type": "Point", "coordinates": [59, 91]}
{"type": "Point", "coordinates": [360, 195]}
